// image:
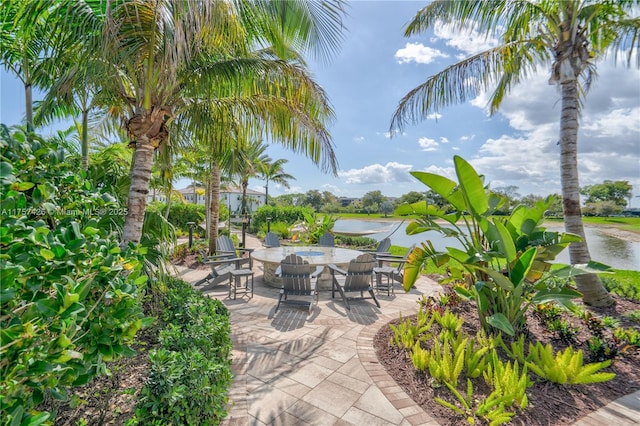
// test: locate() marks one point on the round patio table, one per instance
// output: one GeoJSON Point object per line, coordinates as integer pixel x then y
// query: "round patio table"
{"type": "Point", "coordinates": [315, 255]}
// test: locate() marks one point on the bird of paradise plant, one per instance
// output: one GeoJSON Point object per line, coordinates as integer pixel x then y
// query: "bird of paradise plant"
{"type": "Point", "coordinates": [505, 261]}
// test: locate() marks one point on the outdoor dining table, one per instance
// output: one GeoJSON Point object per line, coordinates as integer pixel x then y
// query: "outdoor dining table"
{"type": "Point", "coordinates": [315, 255]}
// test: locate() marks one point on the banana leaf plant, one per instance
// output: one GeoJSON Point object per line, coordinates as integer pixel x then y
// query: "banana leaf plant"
{"type": "Point", "coordinates": [504, 263]}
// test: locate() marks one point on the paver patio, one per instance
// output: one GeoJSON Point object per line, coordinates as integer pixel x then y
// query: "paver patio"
{"type": "Point", "coordinates": [294, 369]}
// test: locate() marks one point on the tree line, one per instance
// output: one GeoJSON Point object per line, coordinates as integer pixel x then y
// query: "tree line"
{"type": "Point", "coordinates": [604, 199]}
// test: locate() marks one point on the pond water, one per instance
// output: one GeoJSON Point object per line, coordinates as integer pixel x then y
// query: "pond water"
{"type": "Point", "coordinates": [612, 251]}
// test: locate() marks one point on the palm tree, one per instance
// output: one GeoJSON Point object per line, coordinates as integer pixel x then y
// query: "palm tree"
{"type": "Point", "coordinates": [193, 61]}
{"type": "Point", "coordinates": [274, 172]}
{"type": "Point", "coordinates": [565, 36]}
{"type": "Point", "coordinates": [251, 158]}
{"type": "Point", "coordinates": [24, 38]}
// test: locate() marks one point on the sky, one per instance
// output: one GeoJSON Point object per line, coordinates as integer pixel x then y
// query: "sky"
{"type": "Point", "coordinates": [376, 66]}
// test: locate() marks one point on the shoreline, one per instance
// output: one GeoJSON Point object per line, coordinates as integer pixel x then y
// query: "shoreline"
{"type": "Point", "coordinates": [610, 230]}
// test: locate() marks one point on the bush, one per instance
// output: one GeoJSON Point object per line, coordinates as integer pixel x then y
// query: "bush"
{"type": "Point", "coordinates": [181, 214]}
{"type": "Point", "coordinates": [190, 374]}
{"type": "Point", "coordinates": [69, 300]}
{"type": "Point", "coordinates": [287, 215]}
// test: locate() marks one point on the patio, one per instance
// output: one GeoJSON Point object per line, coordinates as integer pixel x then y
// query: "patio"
{"type": "Point", "coordinates": [321, 369]}
{"type": "Point", "coordinates": [291, 368]}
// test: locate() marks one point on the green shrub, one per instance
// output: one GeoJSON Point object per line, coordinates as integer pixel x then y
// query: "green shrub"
{"type": "Point", "coordinates": [69, 300]}
{"type": "Point", "coordinates": [284, 214]}
{"type": "Point", "coordinates": [181, 214]}
{"type": "Point", "coordinates": [190, 374]}
{"type": "Point", "coordinates": [620, 285]}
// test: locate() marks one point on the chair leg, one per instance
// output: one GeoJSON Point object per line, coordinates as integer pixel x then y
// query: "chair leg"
{"type": "Point", "coordinates": [344, 297]}
{"type": "Point", "coordinates": [373, 296]}
{"type": "Point", "coordinates": [279, 300]}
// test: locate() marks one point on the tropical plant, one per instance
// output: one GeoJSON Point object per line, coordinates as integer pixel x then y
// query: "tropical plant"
{"type": "Point", "coordinates": [71, 299]}
{"type": "Point", "coordinates": [23, 41]}
{"type": "Point", "coordinates": [504, 261]}
{"type": "Point", "coordinates": [565, 367]}
{"type": "Point", "coordinates": [165, 63]}
{"type": "Point", "coordinates": [314, 226]}
{"type": "Point", "coordinates": [566, 37]}
{"type": "Point", "coordinates": [273, 171]}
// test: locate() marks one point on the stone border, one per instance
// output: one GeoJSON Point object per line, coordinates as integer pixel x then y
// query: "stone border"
{"type": "Point", "coordinates": [412, 412]}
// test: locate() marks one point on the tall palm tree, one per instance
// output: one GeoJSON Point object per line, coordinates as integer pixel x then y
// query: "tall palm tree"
{"type": "Point", "coordinates": [190, 61]}
{"type": "Point", "coordinates": [24, 39]}
{"type": "Point", "coordinates": [251, 158]}
{"type": "Point", "coordinates": [566, 37]}
{"type": "Point", "coordinates": [274, 172]}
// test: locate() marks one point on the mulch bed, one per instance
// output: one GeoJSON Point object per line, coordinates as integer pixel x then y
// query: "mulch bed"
{"type": "Point", "coordinates": [549, 403]}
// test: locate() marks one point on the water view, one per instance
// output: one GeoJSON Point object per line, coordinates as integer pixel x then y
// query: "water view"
{"type": "Point", "coordinates": [615, 252]}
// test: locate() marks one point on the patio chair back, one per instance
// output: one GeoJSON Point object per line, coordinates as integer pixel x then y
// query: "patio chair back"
{"type": "Point", "coordinates": [298, 279]}
{"type": "Point", "coordinates": [271, 240]}
{"type": "Point", "coordinates": [327, 240]}
{"type": "Point", "coordinates": [384, 245]}
{"type": "Point", "coordinates": [225, 245]}
{"type": "Point", "coordinates": [296, 275]}
{"type": "Point", "coordinates": [360, 273]}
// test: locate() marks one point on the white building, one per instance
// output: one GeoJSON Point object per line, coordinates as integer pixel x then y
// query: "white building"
{"type": "Point", "coordinates": [230, 196]}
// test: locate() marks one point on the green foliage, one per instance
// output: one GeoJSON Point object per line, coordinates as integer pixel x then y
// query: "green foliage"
{"type": "Point", "coordinates": [181, 214]}
{"type": "Point", "coordinates": [190, 374]}
{"type": "Point", "coordinates": [408, 332]}
{"type": "Point", "coordinates": [624, 284]}
{"type": "Point", "coordinates": [616, 192]}
{"type": "Point", "coordinates": [314, 226]}
{"type": "Point", "coordinates": [356, 242]}
{"type": "Point", "coordinates": [288, 215]}
{"type": "Point", "coordinates": [419, 357]}
{"type": "Point", "coordinates": [565, 367]}
{"type": "Point", "coordinates": [634, 315]}
{"type": "Point", "coordinates": [70, 296]}
{"type": "Point", "coordinates": [504, 261]}
{"type": "Point", "coordinates": [446, 360]}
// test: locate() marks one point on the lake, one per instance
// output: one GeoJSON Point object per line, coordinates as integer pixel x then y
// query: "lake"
{"type": "Point", "coordinates": [612, 251]}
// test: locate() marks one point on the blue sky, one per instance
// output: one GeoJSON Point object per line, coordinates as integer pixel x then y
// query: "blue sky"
{"type": "Point", "coordinates": [377, 65]}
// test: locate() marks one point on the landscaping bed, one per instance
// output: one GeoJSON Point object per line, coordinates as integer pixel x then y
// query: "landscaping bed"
{"type": "Point", "coordinates": [549, 403]}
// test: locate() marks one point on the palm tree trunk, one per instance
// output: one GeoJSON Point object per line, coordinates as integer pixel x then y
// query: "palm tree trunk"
{"type": "Point", "coordinates": [215, 206]}
{"type": "Point", "coordinates": [593, 292]}
{"type": "Point", "coordinates": [138, 191]}
{"type": "Point", "coordinates": [28, 97]}
{"type": "Point", "coordinates": [84, 139]}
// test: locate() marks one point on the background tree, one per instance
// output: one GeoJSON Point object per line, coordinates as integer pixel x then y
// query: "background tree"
{"type": "Point", "coordinates": [157, 47]}
{"type": "Point", "coordinates": [511, 196]}
{"type": "Point", "coordinates": [274, 171]}
{"type": "Point", "coordinates": [410, 197]}
{"type": "Point", "coordinates": [313, 199]}
{"type": "Point", "coordinates": [616, 191]}
{"type": "Point", "coordinates": [372, 200]}
{"type": "Point", "coordinates": [565, 37]}
{"type": "Point", "coordinates": [386, 207]}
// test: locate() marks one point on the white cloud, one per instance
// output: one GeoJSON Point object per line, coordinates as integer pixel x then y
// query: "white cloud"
{"type": "Point", "coordinates": [448, 172]}
{"type": "Point", "coordinates": [334, 189]}
{"type": "Point", "coordinates": [419, 53]}
{"type": "Point", "coordinates": [470, 42]}
{"type": "Point", "coordinates": [434, 116]}
{"type": "Point", "coordinates": [444, 139]}
{"type": "Point", "coordinates": [359, 139]}
{"type": "Point", "coordinates": [378, 174]}
{"type": "Point", "coordinates": [428, 144]}
{"type": "Point", "coordinates": [467, 138]}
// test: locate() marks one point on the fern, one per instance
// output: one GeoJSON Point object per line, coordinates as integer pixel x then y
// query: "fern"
{"type": "Point", "coordinates": [475, 360]}
{"type": "Point", "coordinates": [566, 367]}
{"type": "Point", "coordinates": [446, 361]}
{"type": "Point", "coordinates": [419, 357]}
